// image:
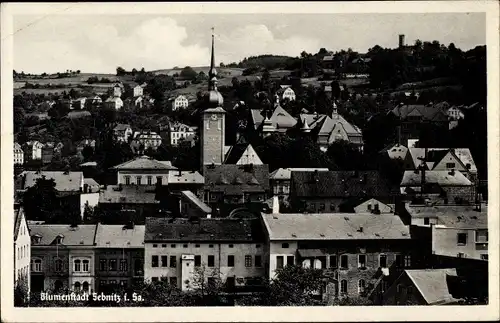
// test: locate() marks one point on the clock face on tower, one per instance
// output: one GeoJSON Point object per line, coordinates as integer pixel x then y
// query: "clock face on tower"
{"type": "Point", "coordinates": [214, 117]}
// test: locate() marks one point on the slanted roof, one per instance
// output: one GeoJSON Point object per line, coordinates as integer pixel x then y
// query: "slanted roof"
{"type": "Point", "coordinates": [144, 162]}
{"type": "Point", "coordinates": [432, 284]}
{"type": "Point", "coordinates": [437, 154]}
{"type": "Point", "coordinates": [452, 216]}
{"type": "Point", "coordinates": [65, 182]}
{"type": "Point", "coordinates": [282, 119]}
{"type": "Point", "coordinates": [222, 178]}
{"type": "Point", "coordinates": [340, 184]}
{"type": "Point", "coordinates": [119, 236]}
{"type": "Point", "coordinates": [185, 177]}
{"type": "Point", "coordinates": [128, 194]}
{"type": "Point", "coordinates": [440, 177]}
{"type": "Point", "coordinates": [335, 226]}
{"type": "Point", "coordinates": [426, 112]}
{"type": "Point", "coordinates": [81, 235]}
{"type": "Point", "coordinates": [196, 201]}
{"type": "Point", "coordinates": [215, 229]}
{"type": "Point", "coordinates": [396, 151]}
{"type": "Point", "coordinates": [18, 219]}
{"type": "Point", "coordinates": [242, 154]}
{"type": "Point", "coordinates": [286, 173]}
{"type": "Point", "coordinates": [91, 183]}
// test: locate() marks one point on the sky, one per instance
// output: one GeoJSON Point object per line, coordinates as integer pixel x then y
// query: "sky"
{"type": "Point", "coordinates": [100, 43]}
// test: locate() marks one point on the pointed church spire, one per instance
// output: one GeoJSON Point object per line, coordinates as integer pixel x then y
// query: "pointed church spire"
{"type": "Point", "coordinates": [212, 73]}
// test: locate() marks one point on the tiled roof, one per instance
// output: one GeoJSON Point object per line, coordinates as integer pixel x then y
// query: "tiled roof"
{"type": "Point", "coordinates": [453, 216]}
{"type": "Point", "coordinates": [185, 177]}
{"type": "Point", "coordinates": [216, 229]}
{"type": "Point", "coordinates": [432, 284]}
{"type": "Point", "coordinates": [128, 194]}
{"type": "Point", "coordinates": [243, 153]}
{"type": "Point", "coordinates": [395, 151]}
{"type": "Point", "coordinates": [282, 119]}
{"type": "Point", "coordinates": [236, 179]}
{"type": "Point", "coordinates": [65, 182]}
{"type": "Point", "coordinates": [463, 154]}
{"type": "Point", "coordinates": [82, 235]}
{"type": "Point", "coordinates": [144, 162]}
{"type": "Point", "coordinates": [91, 183]}
{"type": "Point", "coordinates": [119, 236]}
{"type": "Point", "coordinates": [426, 112]}
{"type": "Point", "coordinates": [440, 177]}
{"type": "Point", "coordinates": [329, 125]}
{"type": "Point", "coordinates": [196, 201]}
{"type": "Point", "coordinates": [78, 114]}
{"type": "Point", "coordinates": [286, 173]}
{"type": "Point", "coordinates": [340, 184]}
{"type": "Point", "coordinates": [335, 226]}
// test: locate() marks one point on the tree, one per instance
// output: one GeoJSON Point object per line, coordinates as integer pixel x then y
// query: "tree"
{"type": "Point", "coordinates": [120, 71]}
{"type": "Point", "coordinates": [19, 119]}
{"type": "Point", "coordinates": [40, 200]}
{"type": "Point", "coordinates": [59, 110]}
{"type": "Point", "coordinates": [21, 293]}
{"type": "Point", "coordinates": [188, 73]}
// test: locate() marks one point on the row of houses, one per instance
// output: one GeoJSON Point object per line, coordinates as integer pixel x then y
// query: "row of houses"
{"type": "Point", "coordinates": [360, 255]}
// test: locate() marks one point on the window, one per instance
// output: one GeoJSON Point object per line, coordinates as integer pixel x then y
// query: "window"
{"type": "Point", "coordinates": [102, 264]}
{"type": "Point", "coordinates": [450, 165]}
{"type": "Point", "coordinates": [58, 265]}
{"type": "Point", "coordinates": [173, 281]}
{"type": "Point", "coordinates": [361, 286]}
{"type": "Point", "coordinates": [290, 260]}
{"type": "Point", "coordinates": [231, 246]}
{"type": "Point", "coordinates": [139, 180]}
{"type": "Point", "coordinates": [344, 262]}
{"type": "Point", "coordinates": [159, 180]}
{"type": "Point", "coordinates": [173, 261]}
{"type": "Point", "coordinates": [258, 261]}
{"type": "Point", "coordinates": [112, 264]}
{"type": "Point", "coordinates": [77, 265]}
{"type": "Point", "coordinates": [332, 206]}
{"type": "Point", "coordinates": [164, 245]}
{"type": "Point", "coordinates": [210, 245]}
{"type": "Point", "coordinates": [219, 124]}
{"type": "Point", "coordinates": [257, 246]}
{"type": "Point", "coordinates": [197, 261]}
{"type": "Point", "coordinates": [172, 246]}
{"type": "Point", "coordinates": [461, 239]}
{"type": "Point", "coordinates": [230, 261]}
{"type": "Point", "coordinates": [426, 221]}
{"type": "Point", "coordinates": [321, 207]}
{"type": "Point", "coordinates": [77, 287]}
{"type": "Point", "coordinates": [248, 261]}
{"type": "Point", "coordinates": [196, 245]}
{"type": "Point", "coordinates": [154, 279]}
{"type": "Point", "coordinates": [399, 261]}
{"type": "Point", "coordinates": [155, 245]}
{"type": "Point", "coordinates": [123, 265]}
{"type": "Point", "coordinates": [184, 246]}
{"type": "Point", "coordinates": [85, 287]}
{"type": "Point", "coordinates": [103, 282]}
{"type": "Point", "coordinates": [343, 286]}
{"type": "Point", "coordinates": [127, 180]}
{"type": "Point", "coordinates": [207, 124]}
{"type": "Point", "coordinates": [164, 261]}
{"type": "Point", "coordinates": [285, 245]}
{"type": "Point", "coordinates": [85, 265]}
{"type": "Point", "coordinates": [279, 261]}
{"type": "Point", "coordinates": [164, 279]}
{"type": "Point", "coordinates": [154, 261]}
{"type": "Point", "coordinates": [362, 261]}
{"type": "Point", "coordinates": [382, 260]}
{"type": "Point", "coordinates": [484, 256]}
{"type": "Point", "coordinates": [112, 282]}
{"type": "Point", "coordinates": [333, 261]}
{"type": "Point", "coordinates": [407, 261]}
{"type": "Point", "coordinates": [211, 261]}
{"type": "Point", "coordinates": [482, 236]}
{"type": "Point", "coordinates": [150, 180]}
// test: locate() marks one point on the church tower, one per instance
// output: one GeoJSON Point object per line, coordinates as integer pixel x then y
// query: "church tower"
{"type": "Point", "coordinates": [212, 126]}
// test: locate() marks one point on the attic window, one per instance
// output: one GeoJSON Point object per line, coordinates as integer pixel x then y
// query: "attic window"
{"type": "Point", "coordinates": [346, 218]}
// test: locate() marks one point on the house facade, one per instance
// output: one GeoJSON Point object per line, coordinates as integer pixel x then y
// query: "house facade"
{"type": "Point", "coordinates": [288, 94]}
{"type": "Point", "coordinates": [179, 131]}
{"type": "Point", "coordinates": [119, 256]}
{"type": "Point", "coordinates": [180, 102]}
{"type": "Point", "coordinates": [18, 154]}
{"type": "Point", "coordinates": [147, 139]}
{"type": "Point", "coordinates": [22, 248]}
{"type": "Point", "coordinates": [114, 103]}
{"type": "Point", "coordinates": [33, 150]}
{"type": "Point", "coordinates": [353, 250]}
{"type": "Point", "coordinates": [281, 178]}
{"type": "Point", "coordinates": [183, 252]}
{"type": "Point", "coordinates": [143, 170]}
{"type": "Point", "coordinates": [62, 257]}
{"type": "Point", "coordinates": [138, 91]}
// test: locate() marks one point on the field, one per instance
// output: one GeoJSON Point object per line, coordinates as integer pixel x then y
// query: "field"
{"type": "Point", "coordinates": [222, 71]}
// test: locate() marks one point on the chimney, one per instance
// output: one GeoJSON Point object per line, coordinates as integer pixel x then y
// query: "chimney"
{"type": "Point", "coordinates": [180, 173]}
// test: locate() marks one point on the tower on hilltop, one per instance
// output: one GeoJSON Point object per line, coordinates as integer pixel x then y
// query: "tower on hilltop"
{"type": "Point", "coordinates": [212, 132]}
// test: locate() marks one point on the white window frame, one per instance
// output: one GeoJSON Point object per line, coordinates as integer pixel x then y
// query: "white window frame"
{"type": "Point", "coordinates": [361, 286]}
{"type": "Point", "coordinates": [475, 235]}
{"type": "Point", "coordinates": [380, 261]}
{"type": "Point", "coordinates": [85, 265]}
{"type": "Point", "coordinates": [75, 262]}
{"type": "Point", "coordinates": [359, 262]}
{"type": "Point", "coordinates": [37, 262]}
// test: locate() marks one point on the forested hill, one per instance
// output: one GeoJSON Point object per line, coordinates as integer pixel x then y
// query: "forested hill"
{"type": "Point", "coordinates": [267, 61]}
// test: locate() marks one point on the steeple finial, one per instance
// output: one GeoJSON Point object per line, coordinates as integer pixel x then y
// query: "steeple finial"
{"type": "Point", "coordinates": [212, 73]}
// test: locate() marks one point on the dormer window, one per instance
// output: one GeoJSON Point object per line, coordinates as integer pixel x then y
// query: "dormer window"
{"type": "Point", "coordinates": [36, 239]}
{"type": "Point", "coordinates": [59, 239]}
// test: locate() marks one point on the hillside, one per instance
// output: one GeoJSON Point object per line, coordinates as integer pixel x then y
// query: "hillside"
{"type": "Point", "coordinates": [222, 71]}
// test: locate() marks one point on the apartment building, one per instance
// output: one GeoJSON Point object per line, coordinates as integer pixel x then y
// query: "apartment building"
{"type": "Point", "coordinates": [22, 247]}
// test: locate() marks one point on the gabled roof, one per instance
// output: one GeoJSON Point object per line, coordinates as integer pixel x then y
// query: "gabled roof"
{"type": "Point", "coordinates": [335, 226]}
{"type": "Point", "coordinates": [82, 235]}
{"type": "Point", "coordinates": [185, 177]}
{"type": "Point", "coordinates": [196, 201]}
{"type": "Point", "coordinates": [440, 177]}
{"type": "Point", "coordinates": [119, 236]}
{"type": "Point", "coordinates": [222, 178]}
{"type": "Point", "coordinates": [65, 182]}
{"type": "Point", "coordinates": [242, 154]}
{"type": "Point", "coordinates": [282, 119]}
{"type": "Point", "coordinates": [215, 229]}
{"type": "Point", "coordinates": [452, 216]}
{"type": "Point", "coordinates": [144, 162]}
{"type": "Point", "coordinates": [286, 173]}
{"type": "Point", "coordinates": [463, 155]}
{"type": "Point", "coordinates": [18, 219]}
{"type": "Point", "coordinates": [432, 284]}
{"type": "Point", "coordinates": [340, 184]}
{"type": "Point", "coordinates": [425, 112]}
